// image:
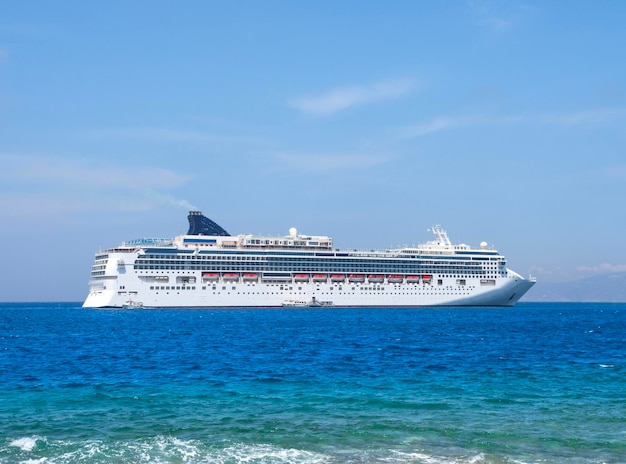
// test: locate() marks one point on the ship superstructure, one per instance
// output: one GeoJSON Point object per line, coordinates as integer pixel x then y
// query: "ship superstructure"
{"type": "Point", "coordinates": [207, 267]}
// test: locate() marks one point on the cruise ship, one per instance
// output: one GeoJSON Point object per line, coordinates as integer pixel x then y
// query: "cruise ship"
{"type": "Point", "coordinates": [209, 268]}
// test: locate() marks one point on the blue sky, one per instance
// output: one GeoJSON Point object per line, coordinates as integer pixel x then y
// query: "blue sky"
{"type": "Point", "coordinates": [368, 122]}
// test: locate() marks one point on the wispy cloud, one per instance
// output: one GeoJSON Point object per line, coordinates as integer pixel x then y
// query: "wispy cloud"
{"type": "Point", "coordinates": [81, 172]}
{"type": "Point", "coordinates": [604, 268]}
{"type": "Point", "coordinates": [63, 203]}
{"type": "Point", "coordinates": [330, 163]}
{"type": "Point", "coordinates": [151, 134]}
{"type": "Point", "coordinates": [336, 100]}
{"type": "Point", "coordinates": [436, 125]}
{"type": "Point", "coordinates": [169, 135]}
{"type": "Point", "coordinates": [54, 186]}
{"type": "Point", "coordinates": [498, 17]}
{"type": "Point", "coordinates": [576, 118]}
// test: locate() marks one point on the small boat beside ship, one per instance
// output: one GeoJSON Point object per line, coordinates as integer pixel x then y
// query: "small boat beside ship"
{"type": "Point", "coordinates": [131, 304]}
{"type": "Point", "coordinates": [314, 303]}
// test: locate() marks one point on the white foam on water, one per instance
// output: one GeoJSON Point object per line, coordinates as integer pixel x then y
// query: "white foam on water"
{"type": "Point", "coordinates": [167, 450]}
{"type": "Point", "coordinates": [421, 458]}
{"type": "Point", "coordinates": [270, 454]}
{"type": "Point", "coordinates": [417, 457]}
{"type": "Point", "coordinates": [160, 450]}
{"type": "Point", "coordinates": [187, 449]}
{"type": "Point", "coordinates": [26, 443]}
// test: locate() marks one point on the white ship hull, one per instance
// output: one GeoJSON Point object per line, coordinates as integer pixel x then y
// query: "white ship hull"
{"type": "Point", "coordinates": [215, 272]}
{"type": "Point", "coordinates": [128, 286]}
{"type": "Point", "coordinates": [264, 295]}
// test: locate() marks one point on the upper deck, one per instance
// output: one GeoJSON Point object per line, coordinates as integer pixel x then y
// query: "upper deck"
{"type": "Point", "coordinates": [293, 241]}
{"type": "Point", "coordinates": [198, 241]}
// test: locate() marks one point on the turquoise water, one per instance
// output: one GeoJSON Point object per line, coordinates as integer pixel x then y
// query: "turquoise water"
{"type": "Point", "coordinates": [538, 383]}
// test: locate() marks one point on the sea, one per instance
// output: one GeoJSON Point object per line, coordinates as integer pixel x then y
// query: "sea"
{"type": "Point", "coordinates": [536, 383]}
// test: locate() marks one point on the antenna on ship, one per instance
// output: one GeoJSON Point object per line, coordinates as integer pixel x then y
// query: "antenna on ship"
{"type": "Point", "coordinates": [440, 235]}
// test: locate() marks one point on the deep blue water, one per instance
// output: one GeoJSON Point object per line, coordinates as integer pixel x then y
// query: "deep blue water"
{"type": "Point", "coordinates": [538, 383]}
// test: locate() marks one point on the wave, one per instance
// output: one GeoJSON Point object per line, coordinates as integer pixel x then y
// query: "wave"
{"type": "Point", "coordinates": [164, 450]}
{"type": "Point", "coordinates": [155, 450]}
{"type": "Point", "coordinates": [26, 443]}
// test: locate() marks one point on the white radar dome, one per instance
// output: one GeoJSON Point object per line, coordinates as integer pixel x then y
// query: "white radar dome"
{"type": "Point", "coordinates": [293, 232]}
{"type": "Point", "coordinates": [483, 245]}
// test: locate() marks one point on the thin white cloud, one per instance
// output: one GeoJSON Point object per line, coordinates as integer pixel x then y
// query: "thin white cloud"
{"type": "Point", "coordinates": [576, 118]}
{"type": "Point", "coordinates": [537, 269]}
{"type": "Point", "coordinates": [436, 125]}
{"type": "Point", "coordinates": [330, 163]}
{"type": "Point", "coordinates": [169, 135]}
{"type": "Point", "coordinates": [79, 172]}
{"type": "Point", "coordinates": [604, 268]}
{"type": "Point", "coordinates": [59, 204]}
{"type": "Point", "coordinates": [53, 186]}
{"type": "Point", "coordinates": [151, 134]}
{"type": "Point", "coordinates": [499, 17]}
{"type": "Point", "coordinates": [336, 100]}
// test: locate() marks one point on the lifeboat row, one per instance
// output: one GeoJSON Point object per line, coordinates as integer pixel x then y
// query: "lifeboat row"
{"type": "Point", "coordinates": [361, 278]}
{"type": "Point", "coordinates": [229, 277]}
{"type": "Point", "coordinates": [321, 278]}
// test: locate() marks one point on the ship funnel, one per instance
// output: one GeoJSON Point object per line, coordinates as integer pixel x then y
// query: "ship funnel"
{"type": "Point", "coordinates": [202, 225]}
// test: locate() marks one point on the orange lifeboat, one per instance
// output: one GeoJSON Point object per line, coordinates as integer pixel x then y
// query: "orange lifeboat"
{"type": "Point", "coordinates": [412, 279]}
{"type": "Point", "coordinates": [210, 276]}
{"type": "Point", "coordinates": [251, 277]}
{"type": "Point", "coordinates": [427, 278]}
{"type": "Point", "coordinates": [320, 277]}
{"type": "Point", "coordinates": [230, 277]}
{"type": "Point", "coordinates": [337, 278]}
{"type": "Point", "coordinates": [394, 279]}
{"type": "Point", "coordinates": [301, 277]}
{"type": "Point", "coordinates": [356, 278]}
{"type": "Point", "coordinates": [375, 278]}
